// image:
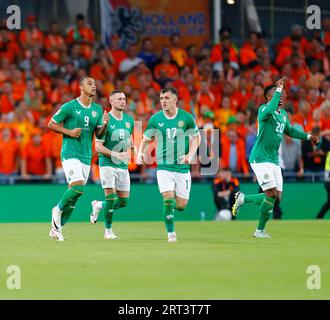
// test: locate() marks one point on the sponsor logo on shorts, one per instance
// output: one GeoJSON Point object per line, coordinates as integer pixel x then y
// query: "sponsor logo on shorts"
{"type": "Point", "coordinates": [71, 172]}
{"type": "Point", "coordinates": [103, 182]}
{"type": "Point", "coordinates": [266, 176]}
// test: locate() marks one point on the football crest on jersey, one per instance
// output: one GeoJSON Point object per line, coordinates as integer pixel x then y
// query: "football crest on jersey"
{"type": "Point", "coordinates": [180, 124]}
{"type": "Point", "coordinates": [94, 114]}
{"type": "Point", "coordinates": [127, 125]}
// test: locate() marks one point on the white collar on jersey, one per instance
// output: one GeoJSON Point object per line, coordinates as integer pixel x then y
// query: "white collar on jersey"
{"type": "Point", "coordinates": [170, 118]}
{"type": "Point", "coordinates": [82, 104]}
{"type": "Point", "coordinates": [122, 116]}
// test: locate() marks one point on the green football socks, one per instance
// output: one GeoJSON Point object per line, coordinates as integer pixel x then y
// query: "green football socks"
{"type": "Point", "coordinates": [168, 212]}
{"type": "Point", "coordinates": [107, 207]}
{"type": "Point", "coordinates": [68, 202]}
{"type": "Point", "coordinates": [266, 210]}
{"type": "Point", "coordinates": [254, 198]}
{"type": "Point", "coordinates": [71, 194]}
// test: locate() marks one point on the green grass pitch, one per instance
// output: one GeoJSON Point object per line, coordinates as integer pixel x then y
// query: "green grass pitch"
{"type": "Point", "coordinates": [211, 260]}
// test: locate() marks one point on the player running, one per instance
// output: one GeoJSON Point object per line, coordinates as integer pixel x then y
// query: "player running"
{"type": "Point", "coordinates": [114, 153]}
{"type": "Point", "coordinates": [177, 138]}
{"type": "Point", "coordinates": [77, 121]}
{"type": "Point", "coordinates": [273, 122]}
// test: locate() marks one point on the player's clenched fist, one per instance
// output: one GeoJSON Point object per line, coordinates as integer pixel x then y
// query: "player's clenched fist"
{"type": "Point", "coordinates": [75, 133]}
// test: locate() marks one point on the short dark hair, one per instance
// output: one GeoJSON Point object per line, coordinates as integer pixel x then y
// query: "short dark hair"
{"type": "Point", "coordinates": [267, 89]}
{"type": "Point", "coordinates": [116, 91]}
{"type": "Point", "coordinates": [81, 80]}
{"type": "Point", "coordinates": [169, 89]}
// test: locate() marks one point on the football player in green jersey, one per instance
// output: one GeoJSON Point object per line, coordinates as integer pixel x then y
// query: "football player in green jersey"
{"type": "Point", "coordinates": [273, 123]}
{"type": "Point", "coordinates": [177, 138]}
{"type": "Point", "coordinates": [114, 150]}
{"type": "Point", "coordinates": [77, 121]}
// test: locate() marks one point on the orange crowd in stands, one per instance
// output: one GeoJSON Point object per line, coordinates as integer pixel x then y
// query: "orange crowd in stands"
{"type": "Point", "coordinates": [221, 85]}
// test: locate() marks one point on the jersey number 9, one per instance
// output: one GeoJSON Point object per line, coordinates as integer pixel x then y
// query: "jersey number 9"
{"type": "Point", "coordinates": [86, 121]}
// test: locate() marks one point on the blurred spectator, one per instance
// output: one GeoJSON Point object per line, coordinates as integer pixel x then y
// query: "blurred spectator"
{"type": "Point", "coordinates": [315, 77]}
{"type": "Point", "coordinates": [291, 157]}
{"type": "Point", "coordinates": [55, 45]}
{"type": "Point", "coordinates": [247, 54]}
{"type": "Point", "coordinates": [31, 37]}
{"type": "Point", "coordinates": [36, 159]}
{"type": "Point", "coordinates": [9, 153]}
{"type": "Point", "coordinates": [115, 52]}
{"type": "Point", "coordinates": [217, 54]}
{"type": "Point", "coordinates": [267, 70]}
{"type": "Point", "coordinates": [76, 58]}
{"type": "Point", "coordinates": [7, 100]}
{"type": "Point", "coordinates": [255, 102]}
{"type": "Point", "coordinates": [82, 35]}
{"type": "Point", "coordinates": [314, 155]}
{"type": "Point", "coordinates": [9, 47]}
{"type": "Point", "coordinates": [130, 62]}
{"type": "Point", "coordinates": [178, 53]}
{"type": "Point", "coordinates": [205, 98]}
{"type": "Point", "coordinates": [296, 35]}
{"type": "Point", "coordinates": [224, 187]}
{"type": "Point", "coordinates": [165, 70]}
{"type": "Point", "coordinates": [233, 152]}
{"type": "Point", "coordinates": [102, 66]}
{"type": "Point", "coordinates": [35, 59]}
{"type": "Point", "coordinates": [223, 113]}
{"type": "Point", "coordinates": [147, 54]}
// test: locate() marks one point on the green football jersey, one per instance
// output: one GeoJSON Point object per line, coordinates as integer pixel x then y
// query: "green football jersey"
{"type": "Point", "coordinates": [117, 138]}
{"type": "Point", "coordinates": [272, 124]}
{"type": "Point", "coordinates": [74, 115]}
{"type": "Point", "coordinates": [172, 136]}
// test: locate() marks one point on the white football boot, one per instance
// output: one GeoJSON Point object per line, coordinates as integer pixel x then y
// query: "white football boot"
{"type": "Point", "coordinates": [56, 230]}
{"type": "Point", "coordinates": [171, 237]}
{"type": "Point", "coordinates": [96, 208]}
{"type": "Point", "coordinates": [261, 234]}
{"type": "Point", "coordinates": [56, 235]}
{"type": "Point", "coordinates": [239, 201]}
{"type": "Point", "coordinates": [109, 235]}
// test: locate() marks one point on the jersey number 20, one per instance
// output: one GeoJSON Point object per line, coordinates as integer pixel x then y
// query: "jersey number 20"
{"type": "Point", "coordinates": [279, 127]}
